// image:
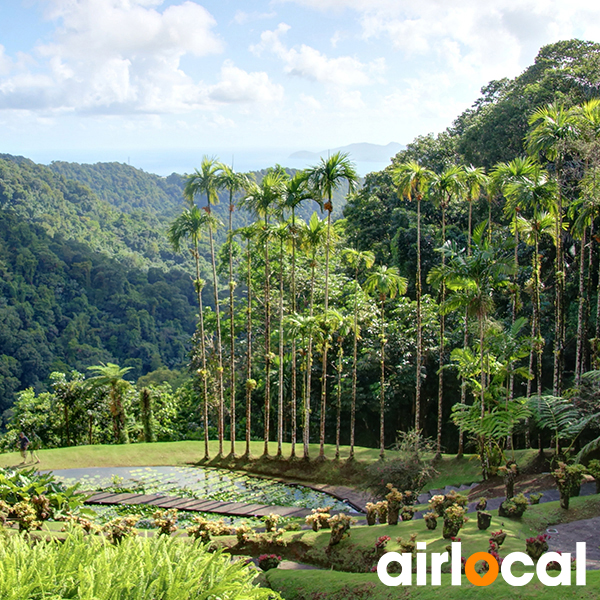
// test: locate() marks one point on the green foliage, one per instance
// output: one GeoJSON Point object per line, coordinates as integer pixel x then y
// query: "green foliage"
{"type": "Point", "coordinates": [87, 568]}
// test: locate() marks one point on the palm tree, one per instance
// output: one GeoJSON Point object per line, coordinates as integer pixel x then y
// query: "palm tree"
{"type": "Point", "coordinates": [296, 193]}
{"type": "Point", "coordinates": [356, 259]}
{"type": "Point", "coordinates": [190, 225]}
{"type": "Point", "coordinates": [282, 233]}
{"type": "Point", "coordinates": [443, 189]}
{"type": "Point", "coordinates": [388, 284]}
{"type": "Point", "coordinates": [530, 191]}
{"type": "Point", "coordinates": [262, 199]}
{"type": "Point", "coordinates": [111, 375]}
{"type": "Point", "coordinates": [328, 176]}
{"type": "Point", "coordinates": [305, 328]}
{"type": "Point", "coordinates": [471, 281]}
{"type": "Point", "coordinates": [553, 130]}
{"type": "Point", "coordinates": [249, 233]}
{"type": "Point", "coordinates": [312, 237]}
{"type": "Point", "coordinates": [233, 182]}
{"type": "Point", "coordinates": [475, 180]}
{"type": "Point", "coordinates": [325, 178]}
{"type": "Point", "coordinates": [205, 181]}
{"type": "Point", "coordinates": [413, 180]}
{"type": "Point", "coordinates": [345, 325]}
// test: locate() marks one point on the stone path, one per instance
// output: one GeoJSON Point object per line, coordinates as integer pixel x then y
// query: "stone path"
{"type": "Point", "coordinates": [563, 538]}
{"type": "Point", "coordinates": [230, 509]}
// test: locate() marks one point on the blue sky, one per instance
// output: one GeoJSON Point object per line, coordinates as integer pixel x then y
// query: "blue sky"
{"type": "Point", "coordinates": [126, 79]}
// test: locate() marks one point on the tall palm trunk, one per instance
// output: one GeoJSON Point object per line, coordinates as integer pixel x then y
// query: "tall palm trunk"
{"type": "Point", "coordinates": [267, 406]}
{"type": "Point", "coordinates": [231, 330]}
{"type": "Point", "coordinates": [419, 324]}
{"type": "Point", "coordinates": [354, 367]}
{"type": "Point", "coordinates": [559, 286]}
{"type": "Point", "coordinates": [280, 404]}
{"type": "Point", "coordinates": [294, 373]}
{"type": "Point", "coordinates": [338, 424]}
{"type": "Point", "coordinates": [249, 380]}
{"type": "Point", "coordinates": [382, 390]}
{"type": "Point", "coordinates": [580, 311]}
{"type": "Point", "coordinates": [221, 424]}
{"type": "Point", "coordinates": [463, 383]}
{"type": "Point", "coordinates": [198, 284]}
{"type": "Point", "coordinates": [307, 390]}
{"type": "Point", "coordinates": [442, 335]}
{"type": "Point", "coordinates": [326, 345]}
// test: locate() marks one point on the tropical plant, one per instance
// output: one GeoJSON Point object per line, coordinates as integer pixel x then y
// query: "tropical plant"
{"type": "Point", "coordinates": [413, 180]}
{"type": "Point", "coordinates": [110, 376]}
{"type": "Point", "coordinates": [206, 181]}
{"type": "Point", "coordinates": [387, 283]}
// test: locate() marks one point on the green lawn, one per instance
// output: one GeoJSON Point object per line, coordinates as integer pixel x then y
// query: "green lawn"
{"type": "Point", "coordinates": [331, 585]}
{"type": "Point", "coordinates": [451, 471]}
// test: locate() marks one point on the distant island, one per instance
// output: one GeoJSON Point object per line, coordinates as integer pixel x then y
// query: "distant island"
{"type": "Point", "coordinates": [363, 152]}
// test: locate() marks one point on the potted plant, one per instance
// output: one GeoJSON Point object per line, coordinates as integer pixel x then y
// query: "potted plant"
{"type": "Point", "coordinates": [394, 504]}
{"type": "Point", "coordinates": [454, 519]}
{"type": "Point", "coordinates": [371, 513]}
{"type": "Point", "coordinates": [484, 519]}
{"type": "Point", "coordinates": [568, 478]}
{"type": "Point", "coordinates": [268, 561]}
{"type": "Point", "coordinates": [431, 520]}
{"type": "Point", "coordinates": [536, 546]}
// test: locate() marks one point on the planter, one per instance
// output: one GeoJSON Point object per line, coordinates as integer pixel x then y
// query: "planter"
{"type": "Point", "coordinates": [371, 518]}
{"type": "Point", "coordinates": [484, 519]}
{"type": "Point", "coordinates": [393, 515]}
{"type": "Point", "coordinates": [431, 524]}
{"type": "Point", "coordinates": [451, 529]}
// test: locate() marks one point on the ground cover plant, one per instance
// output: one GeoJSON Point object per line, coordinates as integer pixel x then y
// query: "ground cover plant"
{"type": "Point", "coordinates": [90, 568]}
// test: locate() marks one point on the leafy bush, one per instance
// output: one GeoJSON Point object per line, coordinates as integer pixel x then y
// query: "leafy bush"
{"type": "Point", "coordinates": [89, 568]}
{"type": "Point", "coordinates": [406, 470]}
{"type": "Point", "coordinates": [166, 521]}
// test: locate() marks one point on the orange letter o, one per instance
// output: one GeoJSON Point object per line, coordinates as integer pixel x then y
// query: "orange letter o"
{"type": "Point", "coordinates": [473, 576]}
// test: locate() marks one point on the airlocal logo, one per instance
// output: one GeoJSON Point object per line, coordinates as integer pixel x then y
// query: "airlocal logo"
{"type": "Point", "coordinates": [438, 559]}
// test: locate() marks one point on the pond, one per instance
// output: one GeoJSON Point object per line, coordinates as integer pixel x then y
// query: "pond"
{"type": "Point", "coordinates": [199, 482]}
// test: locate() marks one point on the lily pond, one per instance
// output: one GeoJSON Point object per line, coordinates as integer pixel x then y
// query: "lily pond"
{"type": "Point", "coordinates": [202, 483]}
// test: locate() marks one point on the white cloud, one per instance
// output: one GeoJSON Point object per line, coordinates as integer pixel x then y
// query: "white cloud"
{"type": "Point", "coordinates": [113, 56]}
{"type": "Point", "coordinates": [238, 86]}
{"type": "Point", "coordinates": [5, 62]}
{"type": "Point", "coordinates": [242, 17]}
{"type": "Point", "coordinates": [311, 64]}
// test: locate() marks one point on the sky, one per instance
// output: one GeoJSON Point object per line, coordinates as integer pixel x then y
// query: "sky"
{"type": "Point", "coordinates": [161, 83]}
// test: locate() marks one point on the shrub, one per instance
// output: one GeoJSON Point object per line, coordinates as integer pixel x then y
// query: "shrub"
{"type": "Point", "coordinates": [382, 511]}
{"type": "Point", "coordinates": [120, 528]}
{"type": "Point", "coordinates": [454, 519]}
{"type": "Point", "coordinates": [25, 515]}
{"type": "Point", "coordinates": [408, 512]}
{"type": "Point", "coordinates": [372, 513]}
{"type": "Point", "coordinates": [166, 521]}
{"type": "Point", "coordinates": [268, 561]}
{"type": "Point", "coordinates": [437, 504]}
{"type": "Point", "coordinates": [271, 521]}
{"type": "Point", "coordinates": [201, 530]}
{"type": "Point", "coordinates": [410, 469]}
{"type": "Point", "coordinates": [535, 498]}
{"type": "Point", "coordinates": [319, 519]}
{"type": "Point", "coordinates": [514, 508]}
{"type": "Point", "coordinates": [568, 479]}
{"type": "Point", "coordinates": [243, 533]}
{"type": "Point", "coordinates": [431, 520]}
{"type": "Point", "coordinates": [536, 546]}
{"type": "Point", "coordinates": [340, 528]}
{"type": "Point", "coordinates": [594, 471]}
{"type": "Point", "coordinates": [394, 504]}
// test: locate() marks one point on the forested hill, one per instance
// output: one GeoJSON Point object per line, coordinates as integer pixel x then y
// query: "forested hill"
{"type": "Point", "coordinates": [126, 187]}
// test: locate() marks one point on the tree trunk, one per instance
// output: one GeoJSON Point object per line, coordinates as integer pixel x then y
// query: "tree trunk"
{"type": "Point", "coordinates": [280, 405]}
{"type": "Point", "coordinates": [382, 391]}
{"type": "Point", "coordinates": [249, 387]}
{"type": "Point", "coordinates": [419, 326]}
{"type": "Point", "coordinates": [231, 330]}
{"type": "Point", "coordinates": [267, 405]}
{"type": "Point", "coordinates": [354, 368]}
{"type": "Point", "coordinates": [221, 424]}
{"type": "Point", "coordinates": [442, 333]}
{"type": "Point", "coordinates": [198, 284]}
{"type": "Point", "coordinates": [580, 312]}
{"type": "Point", "coordinates": [306, 432]}
{"type": "Point", "coordinates": [294, 384]}
{"type": "Point", "coordinates": [339, 403]}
